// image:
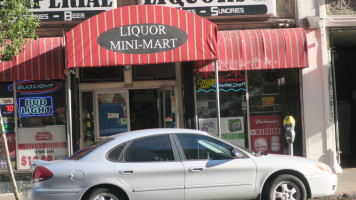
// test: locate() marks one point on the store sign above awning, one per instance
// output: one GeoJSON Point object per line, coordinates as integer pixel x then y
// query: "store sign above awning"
{"type": "Point", "coordinates": [151, 35]}
{"type": "Point", "coordinates": [220, 7]}
{"type": "Point", "coordinates": [69, 10]}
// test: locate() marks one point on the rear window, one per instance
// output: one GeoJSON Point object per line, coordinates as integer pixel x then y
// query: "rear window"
{"type": "Point", "coordinates": [83, 152]}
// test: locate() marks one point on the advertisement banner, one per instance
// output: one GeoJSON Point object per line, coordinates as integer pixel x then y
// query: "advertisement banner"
{"type": "Point", "coordinates": [45, 143]}
{"type": "Point", "coordinates": [232, 129]}
{"type": "Point", "coordinates": [208, 125]}
{"type": "Point", "coordinates": [220, 7]}
{"type": "Point", "coordinates": [266, 134]}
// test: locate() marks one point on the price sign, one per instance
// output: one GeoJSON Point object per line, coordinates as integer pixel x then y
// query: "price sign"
{"type": "Point", "coordinates": [7, 110]}
{"type": "Point", "coordinates": [26, 160]}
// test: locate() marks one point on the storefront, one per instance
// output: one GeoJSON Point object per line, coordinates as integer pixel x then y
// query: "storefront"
{"type": "Point", "coordinates": [33, 103]}
{"type": "Point", "coordinates": [259, 84]}
{"type": "Point", "coordinates": [129, 69]}
{"type": "Point", "coordinates": [130, 73]}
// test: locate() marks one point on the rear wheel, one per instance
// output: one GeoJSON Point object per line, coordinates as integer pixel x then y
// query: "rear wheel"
{"type": "Point", "coordinates": [286, 187]}
{"type": "Point", "coordinates": [104, 194]}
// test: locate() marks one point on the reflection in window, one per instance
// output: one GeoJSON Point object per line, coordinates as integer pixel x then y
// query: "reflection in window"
{"type": "Point", "coordinates": [197, 147]}
{"type": "Point", "coordinates": [156, 148]}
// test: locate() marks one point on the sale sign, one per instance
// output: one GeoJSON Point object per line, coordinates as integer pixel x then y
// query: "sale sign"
{"type": "Point", "coordinates": [45, 143]}
{"type": "Point", "coordinates": [266, 134]}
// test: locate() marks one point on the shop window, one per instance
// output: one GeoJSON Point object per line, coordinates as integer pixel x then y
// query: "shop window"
{"type": "Point", "coordinates": [41, 103]}
{"type": "Point", "coordinates": [265, 116]}
{"type": "Point", "coordinates": [273, 95]}
{"type": "Point", "coordinates": [7, 111]}
{"type": "Point", "coordinates": [41, 114]}
{"type": "Point", "coordinates": [232, 104]}
{"type": "Point", "coordinates": [154, 72]}
{"type": "Point", "coordinates": [101, 74]}
{"type": "Point", "coordinates": [88, 118]}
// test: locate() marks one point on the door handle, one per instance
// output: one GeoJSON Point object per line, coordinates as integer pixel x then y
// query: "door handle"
{"type": "Point", "coordinates": [126, 172]}
{"type": "Point", "coordinates": [196, 169]}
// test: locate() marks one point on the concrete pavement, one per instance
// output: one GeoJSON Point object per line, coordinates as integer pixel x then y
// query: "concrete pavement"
{"type": "Point", "coordinates": [346, 188]}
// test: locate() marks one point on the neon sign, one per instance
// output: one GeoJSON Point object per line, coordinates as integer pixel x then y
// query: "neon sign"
{"type": "Point", "coordinates": [209, 85]}
{"type": "Point", "coordinates": [35, 106]}
{"type": "Point", "coordinates": [7, 109]}
{"type": "Point", "coordinates": [36, 87]}
{"type": "Point", "coordinates": [6, 129]}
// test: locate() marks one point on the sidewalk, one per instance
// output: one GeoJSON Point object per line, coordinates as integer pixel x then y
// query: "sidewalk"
{"type": "Point", "coordinates": [346, 188]}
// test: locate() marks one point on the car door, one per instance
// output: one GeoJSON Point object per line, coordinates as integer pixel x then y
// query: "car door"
{"type": "Point", "coordinates": [212, 172]}
{"type": "Point", "coordinates": [149, 169]}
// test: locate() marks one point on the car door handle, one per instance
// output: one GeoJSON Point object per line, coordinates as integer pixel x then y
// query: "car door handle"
{"type": "Point", "coordinates": [196, 169]}
{"type": "Point", "coordinates": [126, 172]}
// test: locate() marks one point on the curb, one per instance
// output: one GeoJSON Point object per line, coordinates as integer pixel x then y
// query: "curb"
{"type": "Point", "coordinates": [340, 196]}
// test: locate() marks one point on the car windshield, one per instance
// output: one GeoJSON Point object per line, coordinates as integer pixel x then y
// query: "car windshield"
{"type": "Point", "coordinates": [85, 151]}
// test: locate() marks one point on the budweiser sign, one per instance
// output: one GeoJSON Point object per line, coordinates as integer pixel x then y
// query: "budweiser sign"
{"type": "Point", "coordinates": [44, 136]}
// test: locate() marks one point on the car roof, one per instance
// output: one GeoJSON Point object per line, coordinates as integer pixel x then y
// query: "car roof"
{"type": "Point", "coordinates": [156, 131]}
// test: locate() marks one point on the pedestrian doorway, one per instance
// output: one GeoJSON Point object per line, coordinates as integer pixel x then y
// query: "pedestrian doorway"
{"type": "Point", "coordinates": [152, 108]}
{"type": "Point", "coordinates": [343, 45]}
{"type": "Point", "coordinates": [112, 111]}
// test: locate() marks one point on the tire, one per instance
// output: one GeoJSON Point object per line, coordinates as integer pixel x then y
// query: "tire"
{"type": "Point", "coordinates": [286, 187]}
{"type": "Point", "coordinates": [104, 194]}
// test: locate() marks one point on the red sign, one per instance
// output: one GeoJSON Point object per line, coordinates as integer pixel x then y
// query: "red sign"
{"type": "Point", "coordinates": [266, 134]}
{"type": "Point", "coordinates": [45, 135]}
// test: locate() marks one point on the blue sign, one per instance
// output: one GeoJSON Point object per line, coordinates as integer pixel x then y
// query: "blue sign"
{"type": "Point", "coordinates": [35, 106]}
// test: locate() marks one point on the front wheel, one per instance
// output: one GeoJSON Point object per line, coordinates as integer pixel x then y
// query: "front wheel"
{"type": "Point", "coordinates": [286, 187]}
{"type": "Point", "coordinates": [104, 194]}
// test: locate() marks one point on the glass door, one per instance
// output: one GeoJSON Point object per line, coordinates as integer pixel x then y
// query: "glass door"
{"type": "Point", "coordinates": [112, 112]}
{"type": "Point", "coordinates": [167, 108]}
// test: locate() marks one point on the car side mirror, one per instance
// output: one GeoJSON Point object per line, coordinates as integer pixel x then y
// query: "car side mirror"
{"type": "Point", "coordinates": [237, 154]}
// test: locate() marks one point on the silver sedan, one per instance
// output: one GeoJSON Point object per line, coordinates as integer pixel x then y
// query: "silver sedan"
{"type": "Point", "coordinates": [177, 164]}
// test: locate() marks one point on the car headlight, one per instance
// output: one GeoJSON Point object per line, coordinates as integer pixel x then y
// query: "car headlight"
{"type": "Point", "coordinates": [324, 167]}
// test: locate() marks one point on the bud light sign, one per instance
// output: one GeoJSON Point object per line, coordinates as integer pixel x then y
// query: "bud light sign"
{"type": "Point", "coordinates": [35, 106]}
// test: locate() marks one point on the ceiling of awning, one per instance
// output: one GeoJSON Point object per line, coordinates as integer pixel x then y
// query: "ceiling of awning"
{"type": "Point", "coordinates": [261, 49]}
{"type": "Point", "coordinates": [84, 50]}
{"type": "Point", "coordinates": [40, 59]}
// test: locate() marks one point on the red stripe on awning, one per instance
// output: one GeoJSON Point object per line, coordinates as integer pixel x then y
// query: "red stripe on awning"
{"type": "Point", "coordinates": [83, 50]}
{"type": "Point", "coordinates": [40, 59]}
{"type": "Point", "coordinates": [261, 49]}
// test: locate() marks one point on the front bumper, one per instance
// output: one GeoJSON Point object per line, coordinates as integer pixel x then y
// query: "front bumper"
{"type": "Point", "coordinates": [322, 185]}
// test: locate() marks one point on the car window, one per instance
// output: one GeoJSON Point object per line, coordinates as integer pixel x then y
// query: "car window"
{"type": "Point", "coordinates": [85, 151]}
{"type": "Point", "coordinates": [114, 153]}
{"type": "Point", "coordinates": [197, 147]}
{"type": "Point", "coordinates": [148, 149]}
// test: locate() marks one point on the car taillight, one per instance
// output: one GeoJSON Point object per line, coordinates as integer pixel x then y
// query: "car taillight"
{"type": "Point", "coordinates": [40, 174]}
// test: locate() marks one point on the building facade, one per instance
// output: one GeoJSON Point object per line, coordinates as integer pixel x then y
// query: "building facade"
{"type": "Point", "coordinates": [95, 72]}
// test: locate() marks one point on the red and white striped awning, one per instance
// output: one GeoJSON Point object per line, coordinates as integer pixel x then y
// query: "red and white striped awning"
{"type": "Point", "coordinates": [40, 59]}
{"type": "Point", "coordinates": [83, 49]}
{"type": "Point", "coordinates": [261, 49]}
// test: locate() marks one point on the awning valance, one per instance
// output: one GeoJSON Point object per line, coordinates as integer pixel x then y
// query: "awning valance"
{"type": "Point", "coordinates": [261, 49]}
{"type": "Point", "coordinates": [40, 59]}
{"type": "Point", "coordinates": [141, 34]}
